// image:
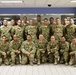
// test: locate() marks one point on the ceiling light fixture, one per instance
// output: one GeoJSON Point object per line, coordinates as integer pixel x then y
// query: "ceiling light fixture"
{"type": "Point", "coordinates": [73, 1]}
{"type": "Point", "coordinates": [11, 1]}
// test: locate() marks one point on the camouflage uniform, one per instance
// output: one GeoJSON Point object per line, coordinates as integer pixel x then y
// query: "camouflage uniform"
{"type": "Point", "coordinates": [45, 30]}
{"type": "Point", "coordinates": [38, 24]}
{"type": "Point", "coordinates": [52, 49]}
{"type": "Point", "coordinates": [64, 52]}
{"type": "Point", "coordinates": [19, 32]}
{"type": "Point", "coordinates": [58, 31]}
{"type": "Point", "coordinates": [32, 30]}
{"type": "Point", "coordinates": [72, 54]}
{"type": "Point", "coordinates": [27, 46]}
{"type": "Point", "coordinates": [70, 32]}
{"type": "Point", "coordinates": [24, 25]}
{"type": "Point", "coordinates": [41, 51]}
{"type": "Point", "coordinates": [4, 47]}
{"type": "Point", "coordinates": [15, 45]}
{"type": "Point", "coordinates": [6, 30]}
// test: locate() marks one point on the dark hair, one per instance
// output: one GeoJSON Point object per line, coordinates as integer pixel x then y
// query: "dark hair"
{"type": "Point", "coordinates": [28, 35]}
{"type": "Point", "coordinates": [71, 18]}
{"type": "Point", "coordinates": [51, 18]}
{"type": "Point", "coordinates": [24, 17]}
{"type": "Point", "coordinates": [3, 36]}
{"type": "Point", "coordinates": [57, 18]}
{"type": "Point", "coordinates": [38, 15]}
{"type": "Point", "coordinates": [45, 19]}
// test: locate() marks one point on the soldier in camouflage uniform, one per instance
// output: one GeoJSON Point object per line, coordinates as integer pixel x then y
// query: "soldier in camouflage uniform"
{"type": "Point", "coordinates": [73, 53]}
{"type": "Point", "coordinates": [6, 30]}
{"type": "Point", "coordinates": [18, 30]}
{"type": "Point", "coordinates": [4, 51]}
{"type": "Point", "coordinates": [41, 49]}
{"type": "Point", "coordinates": [58, 29]}
{"type": "Point", "coordinates": [45, 30]}
{"type": "Point", "coordinates": [70, 31]}
{"type": "Point", "coordinates": [32, 30]}
{"type": "Point", "coordinates": [52, 49]}
{"type": "Point", "coordinates": [38, 23]}
{"type": "Point", "coordinates": [28, 51]}
{"type": "Point", "coordinates": [65, 22]}
{"type": "Point", "coordinates": [64, 50]}
{"type": "Point", "coordinates": [15, 50]}
{"type": "Point", "coordinates": [24, 25]}
{"type": "Point", "coordinates": [51, 21]}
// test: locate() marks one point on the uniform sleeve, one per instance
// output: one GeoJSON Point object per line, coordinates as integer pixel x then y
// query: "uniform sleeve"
{"type": "Point", "coordinates": [10, 47]}
{"type": "Point", "coordinates": [33, 48]}
{"type": "Point", "coordinates": [48, 47]}
{"type": "Point", "coordinates": [67, 47]}
{"type": "Point", "coordinates": [1, 51]}
{"type": "Point", "coordinates": [23, 48]}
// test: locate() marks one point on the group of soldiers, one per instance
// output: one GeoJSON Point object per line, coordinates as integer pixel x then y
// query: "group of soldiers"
{"type": "Point", "coordinates": [38, 42]}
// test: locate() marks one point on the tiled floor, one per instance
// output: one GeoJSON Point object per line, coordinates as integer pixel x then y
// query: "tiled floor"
{"type": "Point", "coordinates": [43, 69]}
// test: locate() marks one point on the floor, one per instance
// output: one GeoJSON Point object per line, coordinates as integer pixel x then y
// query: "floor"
{"type": "Point", "coordinates": [43, 69]}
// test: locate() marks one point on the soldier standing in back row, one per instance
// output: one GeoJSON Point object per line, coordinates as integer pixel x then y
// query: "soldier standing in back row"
{"type": "Point", "coordinates": [6, 30]}
{"type": "Point", "coordinates": [24, 25]}
{"type": "Point", "coordinates": [70, 31]}
{"type": "Point", "coordinates": [18, 30]}
{"type": "Point", "coordinates": [32, 30]}
{"type": "Point", "coordinates": [58, 29]}
{"type": "Point", "coordinates": [45, 29]}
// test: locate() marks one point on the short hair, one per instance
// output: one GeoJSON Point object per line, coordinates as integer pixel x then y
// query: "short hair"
{"type": "Point", "coordinates": [28, 35]}
{"type": "Point", "coordinates": [45, 19]}
{"type": "Point", "coordinates": [51, 18]}
{"type": "Point", "coordinates": [71, 18]}
{"type": "Point", "coordinates": [24, 17]}
{"type": "Point", "coordinates": [38, 15]}
{"type": "Point", "coordinates": [57, 18]}
{"type": "Point", "coordinates": [3, 36]}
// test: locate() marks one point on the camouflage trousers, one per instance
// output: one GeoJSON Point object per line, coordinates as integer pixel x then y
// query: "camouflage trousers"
{"type": "Point", "coordinates": [72, 58]}
{"type": "Point", "coordinates": [3, 60]}
{"type": "Point", "coordinates": [41, 55]}
{"type": "Point", "coordinates": [64, 57]}
{"type": "Point", "coordinates": [25, 59]}
{"type": "Point", "coordinates": [15, 59]}
{"type": "Point", "coordinates": [52, 56]}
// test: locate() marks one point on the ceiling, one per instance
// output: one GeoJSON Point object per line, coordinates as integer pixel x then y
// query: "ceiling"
{"type": "Point", "coordinates": [38, 3]}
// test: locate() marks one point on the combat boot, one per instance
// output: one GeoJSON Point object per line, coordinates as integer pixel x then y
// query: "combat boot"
{"type": "Point", "coordinates": [38, 62]}
{"type": "Point", "coordinates": [71, 62]}
{"type": "Point", "coordinates": [66, 63]}
{"type": "Point", "coordinates": [55, 62]}
{"type": "Point", "coordinates": [31, 63]}
{"type": "Point", "coordinates": [12, 64]}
